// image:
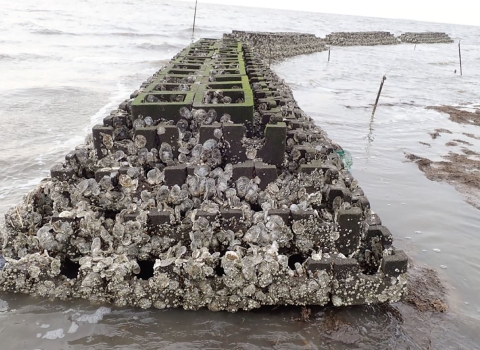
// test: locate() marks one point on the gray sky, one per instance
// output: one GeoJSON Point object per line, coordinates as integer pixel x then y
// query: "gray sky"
{"type": "Point", "coordinates": [457, 11]}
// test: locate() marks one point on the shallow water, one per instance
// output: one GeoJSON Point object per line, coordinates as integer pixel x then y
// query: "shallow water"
{"type": "Point", "coordinates": [64, 67]}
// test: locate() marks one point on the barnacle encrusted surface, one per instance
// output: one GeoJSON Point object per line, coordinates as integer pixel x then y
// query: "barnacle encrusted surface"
{"type": "Point", "coordinates": [211, 188]}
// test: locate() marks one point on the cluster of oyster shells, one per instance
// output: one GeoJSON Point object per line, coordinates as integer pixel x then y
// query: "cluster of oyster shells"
{"type": "Point", "coordinates": [90, 236]}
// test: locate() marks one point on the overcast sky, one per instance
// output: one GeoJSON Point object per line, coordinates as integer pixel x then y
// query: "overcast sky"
{"type": "Point", "coordinates": [457, 11]}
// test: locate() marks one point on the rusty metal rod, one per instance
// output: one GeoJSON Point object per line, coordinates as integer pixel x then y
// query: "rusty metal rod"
{"type": "Point", "coordinates": [194, 18]}
{"type": "Point", "coordinates": [460, 57]}
{"type": "Point", "coordinates": [378, 95]}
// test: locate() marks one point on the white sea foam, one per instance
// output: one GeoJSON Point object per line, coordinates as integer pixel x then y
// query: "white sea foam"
{"type": "Point", "coordinates": [96, 316]}
{"type": "Point", "coordinates": [55, 334]}
{"type": "Point", "coordinates": [73, 328]}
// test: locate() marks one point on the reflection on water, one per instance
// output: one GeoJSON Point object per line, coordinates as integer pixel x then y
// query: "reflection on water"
{"type": "Point", "coordinates": [79, 325]}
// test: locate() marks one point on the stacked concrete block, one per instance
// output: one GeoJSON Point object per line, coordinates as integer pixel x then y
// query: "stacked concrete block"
{"type": "Point", "coordinates": [425, 38]}
{"type": "Point", "coordinates": [196, 206]}
{"type": "Point", "coordinates": [361, 39]}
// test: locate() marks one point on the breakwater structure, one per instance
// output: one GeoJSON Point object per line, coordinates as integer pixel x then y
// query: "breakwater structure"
{"type": "Point", "coordinates": [385, 38]}
{"type": "Point", "coordinates": [361, 39]}
{"type": "Point", "coordinates": [209, 187]}
{"type": "Point", "coordinates": [425, 38]}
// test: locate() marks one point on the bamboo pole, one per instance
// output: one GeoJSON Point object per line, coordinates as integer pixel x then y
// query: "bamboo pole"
{"type": "Point", "coordinates": [194, 18]}
{"type": "Point", "coordinates": [378, 95]}
{"type": "Point", "coordinates": [460, 57]}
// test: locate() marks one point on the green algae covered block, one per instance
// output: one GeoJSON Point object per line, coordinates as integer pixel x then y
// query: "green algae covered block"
{"type": "Point", "coordinates": [167, 106]}
{"type": "Point", "coordinates": [241, 83]}
{"type": "Point", "coordinates": [161, 87]}
{"type": "Point", "coordinates": [239, 112]}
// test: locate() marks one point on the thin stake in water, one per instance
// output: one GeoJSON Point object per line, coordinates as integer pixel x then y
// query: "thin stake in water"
{"type": "Point", "coordinates": [460, 57]}
{"type": "Point", "coordinates": [194, 17]}
{"type": "Point", "coordinates": [378, 95]}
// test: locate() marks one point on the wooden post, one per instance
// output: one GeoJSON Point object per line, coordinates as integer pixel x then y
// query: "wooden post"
{"type": "Point", "coordinates": [378, 95]}
{"type": "Point", "coordinates": [194, 17]}
{"type": "Point", "coordinates": [414, 47]}
{"type": "Point", "coordinates": [328, 54]}
{"type": "Point", "coordinates": [460, 57]}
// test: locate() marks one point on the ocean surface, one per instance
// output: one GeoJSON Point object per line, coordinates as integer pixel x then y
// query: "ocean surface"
{"type": "Point", "coordinates": [65, 64]}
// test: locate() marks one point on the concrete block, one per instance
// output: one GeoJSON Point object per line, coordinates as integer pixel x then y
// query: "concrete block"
{"type": "Point", "coordinates": [150, 133]}
{"type": "Point", "coordinates": [206, 131]}
{"type": "Point", "coordinates": [57, 218]}
{"type": "Point", "coordinates": [273, 151]}
{"type": "Point", "coordinates": [396, 264]}
{"type": "Point", "coordinates": [58, 172]}
{"type": "Point", "coordinates": [233, 135]}
{"type": "Point", "coordinates": [283, 213]}
{"type": "Point", "coordinates": [361, 202]}
{"type": "Point", "coordinates": [239, 112]}
{"type": "Point", "coordinates": [343, 267]}
{"type": "Point", "coordinates": [380, 232]}
{"type": "Point", "coordinates": [310, 167]}
{"type": "Point", "coordinates": [167, 105]}
{"type": "Point", "coordinates": [349, 226]}
{"type": "Point", "coordinates": [243, 169]}
{"type": "Point", "coordinates": [324, 264]}
{"type": "Point", "coordinates": [175, 175]}
{"type": "Point", "coordinates": [266, 172]}
{"type": "Point", "coordinates": [155, 218]}
{"type": "Point", "coordinates": [334, 191]}
{"type": "Point", "coordinates": [170, 136]}
{"type": "Point", "coordinates": [97, 133]}
{"type": "Point", "coordinates": [231, 218]}
{"type": "Point", "coordinates": [191, 169]}
{"type": "Point", "coordinates": [303, 214]}
{"type": "Point", "coordinates": [130, 217]}
{"type": "Point", "coordinates": [373, 219]}
{"type": "Point", "coordinates": [100, 173]}
{"type": "Point", "coordinates": [303, 152]}
{"type": "Point", "coordinates": [204, 214]}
